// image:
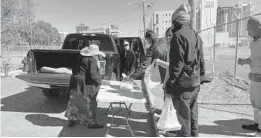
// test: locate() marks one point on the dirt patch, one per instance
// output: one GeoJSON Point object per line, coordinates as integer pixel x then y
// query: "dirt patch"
{"type": "Point", "coordinates": [226, 93]}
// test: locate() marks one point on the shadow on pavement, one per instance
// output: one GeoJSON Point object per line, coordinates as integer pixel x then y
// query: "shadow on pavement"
{"type": "Point", "coordinates": [226, 128]}
{"type": "Point", "coordinates": [32, 100]}
{"type": "Point", "coordinates": [82, 130]}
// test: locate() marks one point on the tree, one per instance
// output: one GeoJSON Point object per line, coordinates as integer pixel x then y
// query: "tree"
{"type": "Point", "coordinates": [16, 17]}
{"type": "Point", "coordinates": [18, 28]}
{"type": "Point", "coordinates": [45, 34]}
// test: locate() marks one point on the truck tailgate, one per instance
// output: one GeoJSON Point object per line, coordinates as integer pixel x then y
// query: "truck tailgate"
{"type": "Point", "coordinates": [46, 78]}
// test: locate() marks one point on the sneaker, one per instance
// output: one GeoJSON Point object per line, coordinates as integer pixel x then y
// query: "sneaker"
{"type": "Point", "coordinates": [95, 126]}
{"type": "Point", "coordinates": [250, 127]}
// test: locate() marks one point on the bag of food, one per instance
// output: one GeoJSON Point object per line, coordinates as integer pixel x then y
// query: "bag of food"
{"type": "Point", "coordinates": [152, 81]}
{"type": "Point", "coordinates": [168, 120]}
{"type": "Point", "coordinates": [126, 86]}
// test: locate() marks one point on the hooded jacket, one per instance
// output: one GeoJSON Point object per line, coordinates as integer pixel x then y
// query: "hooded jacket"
{"type": "Point", "coordinates": [182, 49]}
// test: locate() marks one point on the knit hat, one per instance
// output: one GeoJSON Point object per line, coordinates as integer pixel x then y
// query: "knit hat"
{"type": "Point", "coordinates": [182, 14]}
{"type": "Point", "coordinates": [255, 25]}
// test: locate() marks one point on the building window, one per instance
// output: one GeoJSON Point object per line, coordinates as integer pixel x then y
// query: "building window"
{"type": "Point", "coordinates": [166, 21]}
{"type": "Point", "coordinates": [166, 14]}
{"type": "Point", "coordinates": [209, 4]}
{"type": "Point", "coordinates": [162, 21]}
{"type": "Point", "coordinates": [157, 19]}
{"type": "Point", "coordinates": [169, 14]}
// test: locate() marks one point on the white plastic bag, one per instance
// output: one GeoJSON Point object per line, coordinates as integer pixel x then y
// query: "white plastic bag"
{"type": "Point", "coordinates": [152, 81]}
{"type": "Point", "coordinates": [168, 120]}
{"type": "Point", "coordinates": [126, 86]}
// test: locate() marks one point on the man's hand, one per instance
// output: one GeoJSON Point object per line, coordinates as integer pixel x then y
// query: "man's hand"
{"type": "Point", "coordinates": [126, 78]}
{"type": "Point", "coordinates": [240, 61]}
{"type": "Point", "coordinates": [156, 61]}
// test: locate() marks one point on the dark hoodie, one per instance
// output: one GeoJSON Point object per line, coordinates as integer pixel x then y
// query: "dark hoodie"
{"type": "Point", "coordinates": [182, 50]}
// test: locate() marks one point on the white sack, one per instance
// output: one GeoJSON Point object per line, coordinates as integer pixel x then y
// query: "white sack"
{"type": "Point", "coordinates": [152, 81]}
{"type": "Point", "coordinates": [55, 70]}
{"type": "Point", "coordinates": [168, 120]}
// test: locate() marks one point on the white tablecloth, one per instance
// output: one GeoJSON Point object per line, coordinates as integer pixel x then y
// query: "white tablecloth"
{"type": "Point", "coordinates": [111, 92]}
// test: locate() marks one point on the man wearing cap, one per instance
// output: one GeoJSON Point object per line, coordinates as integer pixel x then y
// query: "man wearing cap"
{"type": "Point", "coordinates": [185, 60]}
{"type": "Point", "coordinates": [128, 59]}
{"type": "Point", "coordinates": [254, 61]}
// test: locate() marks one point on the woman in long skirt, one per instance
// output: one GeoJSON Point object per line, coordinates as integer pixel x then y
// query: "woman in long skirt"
{"type": "Point", "coordinates": [84, 87]}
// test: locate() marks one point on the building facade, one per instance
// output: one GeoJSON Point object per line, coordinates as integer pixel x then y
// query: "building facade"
{"type": "Point", "coordinates": [206, 17]}
{"type": "Point", "coordinates": [161, 21]}
{"type": "Point", "coordinates": [111, 30]}
{"type": "Point", "coordinates": [227, 14]}
{"type": "Point", "coordinates": [81, 28]}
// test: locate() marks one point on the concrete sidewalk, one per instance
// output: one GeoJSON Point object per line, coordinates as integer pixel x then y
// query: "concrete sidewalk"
{"type": "Point", "coordinates": [12, 73]}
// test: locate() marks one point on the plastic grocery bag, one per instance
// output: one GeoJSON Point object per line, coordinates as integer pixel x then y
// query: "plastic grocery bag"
{"type": "Point", "coordinates": [126, 86]}
{"type": "Point", "coordinates": [154, 87]}
{"type": "Point", "coordinates": [168, 120]}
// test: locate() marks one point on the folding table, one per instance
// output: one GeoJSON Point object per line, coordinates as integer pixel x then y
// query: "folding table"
{"type": "Point", "coordinates": [110, 93]}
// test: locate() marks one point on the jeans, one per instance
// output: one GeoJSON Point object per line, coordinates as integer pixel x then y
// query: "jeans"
{"type": "Point", "coordinates": [186, 105]}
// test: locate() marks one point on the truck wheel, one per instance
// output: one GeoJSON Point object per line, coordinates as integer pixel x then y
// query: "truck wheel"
{"type": "Point", "coordinates": [51, 93]}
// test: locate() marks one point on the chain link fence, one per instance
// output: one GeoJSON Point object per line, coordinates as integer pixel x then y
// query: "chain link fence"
{"type": "Point", "coordinates": [224, 44]}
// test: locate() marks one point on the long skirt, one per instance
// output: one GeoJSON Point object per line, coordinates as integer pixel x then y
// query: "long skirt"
{"type": "Point", "coordinates": [77, 109]}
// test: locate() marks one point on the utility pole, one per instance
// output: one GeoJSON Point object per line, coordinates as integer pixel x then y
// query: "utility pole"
{"type": "Point", "coordinates": [144, 20]}
{"type": "Point", "coordinates": [192, 4]}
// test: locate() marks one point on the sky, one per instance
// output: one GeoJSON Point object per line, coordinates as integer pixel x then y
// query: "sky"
{"type": "Point", "coordinates": [65, 15]}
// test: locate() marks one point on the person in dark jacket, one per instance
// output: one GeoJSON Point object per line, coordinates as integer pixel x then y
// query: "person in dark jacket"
{"type": "Point", "coordinates": [183, 45]}
{"type": "Point", "coordinates": [84, 87]}
{"type": "Point", "coordinates": [128, 59]}
{"type": "Point", "coordinates": [150, 55]}
{"type": "Point", "coordinates": [162, 52]}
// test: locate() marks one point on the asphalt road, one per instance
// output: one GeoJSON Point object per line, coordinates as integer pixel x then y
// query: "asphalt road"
{"type": "Point", "coordinates": [26, 112]}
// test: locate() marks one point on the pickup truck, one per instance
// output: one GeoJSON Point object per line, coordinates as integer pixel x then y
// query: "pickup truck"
{"type": "Point", "coordinates": [52, 84]}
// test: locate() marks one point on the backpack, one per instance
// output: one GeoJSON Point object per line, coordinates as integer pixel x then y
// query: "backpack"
{"type": "Point", "coordinates": [190, 74]}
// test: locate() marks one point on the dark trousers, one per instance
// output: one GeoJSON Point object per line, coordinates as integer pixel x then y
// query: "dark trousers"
{"type": "Point", "coordinates": [91, 108]}
{"type": "Point", "coordinates": [185, 102]}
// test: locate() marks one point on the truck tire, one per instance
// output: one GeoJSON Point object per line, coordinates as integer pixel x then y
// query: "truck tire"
{"type": "Point", "coordinates": [51, 93]}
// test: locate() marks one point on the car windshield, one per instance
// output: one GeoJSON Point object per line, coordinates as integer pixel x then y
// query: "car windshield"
{"type": "Point", "coordinates": [79, 42]}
